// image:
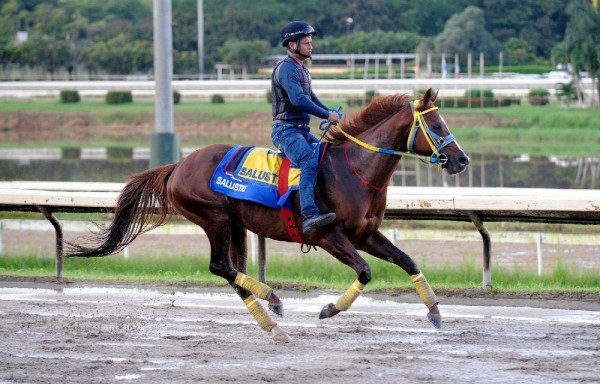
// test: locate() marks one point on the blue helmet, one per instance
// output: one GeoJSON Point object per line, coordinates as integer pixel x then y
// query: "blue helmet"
{"type": "Point", "coordinates": [295, 31]}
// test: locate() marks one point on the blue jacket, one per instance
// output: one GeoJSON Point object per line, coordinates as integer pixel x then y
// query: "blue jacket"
{"type": "Point", "coordinates": [292, 96]}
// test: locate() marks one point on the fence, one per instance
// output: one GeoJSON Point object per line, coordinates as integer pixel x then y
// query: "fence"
{"type": "Point", "coordinates": [476, 205]}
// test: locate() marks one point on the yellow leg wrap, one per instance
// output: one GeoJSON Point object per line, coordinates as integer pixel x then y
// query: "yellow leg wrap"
{"type": "Point", "coordinates": [424, 290]}
{"type": "Point", "coordinates": [259, 289]}
{"type": "Point", "coordinates": [262, 317]}
{"type": "Point", "coordinates": [344, 302]}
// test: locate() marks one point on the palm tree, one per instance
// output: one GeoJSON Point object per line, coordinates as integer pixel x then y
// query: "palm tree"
{"type": "Point", "coordinates": [568, 91]}
{"type": "Point", "coordinates": [582, 39]}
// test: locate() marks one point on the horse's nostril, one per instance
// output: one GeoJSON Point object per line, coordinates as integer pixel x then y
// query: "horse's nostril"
{"type": "Point", "coordinates": [463, 160]}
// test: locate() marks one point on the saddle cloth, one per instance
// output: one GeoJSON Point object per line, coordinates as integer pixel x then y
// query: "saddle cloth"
{"type": "Point", "coordinates": [250, 173]}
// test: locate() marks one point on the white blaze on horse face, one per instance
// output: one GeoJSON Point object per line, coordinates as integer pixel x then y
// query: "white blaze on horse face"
{"type": "Point", "coordinates": [445, 125]}
{"type": "Point", "coordinates": [448, 130]}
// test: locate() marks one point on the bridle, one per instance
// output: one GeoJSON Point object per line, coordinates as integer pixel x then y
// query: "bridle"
{"type": "Point", "coordinates": [435, 141]}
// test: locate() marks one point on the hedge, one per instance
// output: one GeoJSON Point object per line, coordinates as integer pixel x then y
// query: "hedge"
{"type": "Point", "coordinates": [119, 153]}
{"type": "Point", "coordinates": [475, 102]}
{"type": "Point", "coordinates": [217, 99]}
{"type": "Point", "coordinates": [118, 97]}
{"type": "Point", "coordinates": [539, 96]}
{"type": "Point", "coordinates": [69, 96]}
{"type": "Point", "coordinates": [70, 153]}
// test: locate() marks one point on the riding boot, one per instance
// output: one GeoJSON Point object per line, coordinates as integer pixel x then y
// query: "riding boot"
{"type": "Point", "coordinates": [311, 223]}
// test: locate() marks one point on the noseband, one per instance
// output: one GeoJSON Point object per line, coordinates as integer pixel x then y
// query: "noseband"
{"type": "Point", "coordinates": [436, 142]}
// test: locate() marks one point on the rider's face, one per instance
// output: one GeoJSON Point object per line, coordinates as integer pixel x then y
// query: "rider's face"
{"type": "Point", "coordinates": [305, 46]}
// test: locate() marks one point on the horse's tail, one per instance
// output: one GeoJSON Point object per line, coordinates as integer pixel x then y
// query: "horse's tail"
{"type": "Point", "coordinates": [142, 206]}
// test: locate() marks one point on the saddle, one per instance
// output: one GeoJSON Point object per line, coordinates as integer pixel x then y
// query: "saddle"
{"type": "Point", "coordinates": [263, 176]}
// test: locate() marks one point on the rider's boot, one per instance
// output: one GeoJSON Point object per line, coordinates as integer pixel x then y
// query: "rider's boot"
{"type": "Point", "coordinates": [311, 223]}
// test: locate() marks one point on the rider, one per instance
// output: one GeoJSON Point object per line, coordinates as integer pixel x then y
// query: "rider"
{"type": "Point", "coordinates": [293, 104]}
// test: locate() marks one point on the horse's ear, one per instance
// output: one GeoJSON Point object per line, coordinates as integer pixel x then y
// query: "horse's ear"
{"type": "Point", "coordinates": [427, 97]}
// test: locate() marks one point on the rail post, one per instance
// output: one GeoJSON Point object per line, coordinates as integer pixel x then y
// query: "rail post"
{"type": "Point", "coordinates": [59, 239]}
{"type": "Point", "coordinates": [487, 248]}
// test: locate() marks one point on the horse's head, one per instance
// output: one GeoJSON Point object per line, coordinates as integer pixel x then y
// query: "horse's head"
{"type": "Point", "coordinates": [430, 136]}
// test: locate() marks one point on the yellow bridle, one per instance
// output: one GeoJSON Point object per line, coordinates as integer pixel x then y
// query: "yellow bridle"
{"type": "Point", "coordinates": [418, 122]}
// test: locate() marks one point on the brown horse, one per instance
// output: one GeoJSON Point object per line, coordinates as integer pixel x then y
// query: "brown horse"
{"type": "Point", "coordinates": [362, 156]}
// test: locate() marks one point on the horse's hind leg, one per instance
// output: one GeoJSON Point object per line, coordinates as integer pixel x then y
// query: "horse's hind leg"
{"type": "Point", "coordinates": [379, 246]}
{"type": "Point", "coordinates": [220, 234]}
{"type": "Point", "coordinates": [238, 253]}
{"type": "Point", "coordinates": [260, 315]}
{"type": "Point", "coordinates": [245, 286]}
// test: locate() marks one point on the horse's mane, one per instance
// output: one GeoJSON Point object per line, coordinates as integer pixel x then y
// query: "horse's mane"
{"type": "Point", "coordinates": [379, 109]}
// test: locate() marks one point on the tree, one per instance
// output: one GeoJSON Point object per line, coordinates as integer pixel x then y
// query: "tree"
{"type": "Point", "coordinates": [43, 52]}
{"type": "Point", "coordinates": [560, 54]}
{"type": "Point", "coordinates": [369, 42]}
{"type": "Point", "coordinates": [465, 33]}
{"type": "Point", "coordinates": [519, 52]}
{"type": "Point", "coordinates": [540, 24]}
{"type": "Point", "coordinates": [244, 53]}
{"type": "Point", "coordinates": [377, 25]}
{"type": "Point", "coordinates": [567, 92]}
{"type": "Point", "coordinates": [119, 56]}
{"type": "Point", "coordinates": [582, 41]}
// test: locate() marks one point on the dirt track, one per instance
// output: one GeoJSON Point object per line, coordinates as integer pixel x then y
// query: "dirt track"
{"type": "Point", "coordinates": [97, 334]}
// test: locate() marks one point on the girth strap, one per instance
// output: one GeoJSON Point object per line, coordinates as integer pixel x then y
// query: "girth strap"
{"type": "Point", "coordinates": [287, 214]}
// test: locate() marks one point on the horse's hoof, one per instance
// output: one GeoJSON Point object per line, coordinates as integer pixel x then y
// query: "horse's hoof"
{"type": "Point", "coordinates": [328, 310]}
{"type": "Point", "coordinates": [280, 335]}
{"type": "Point", "coordinates": [435, 319]}
{"type": "Point", "coordinates": [276, 309]}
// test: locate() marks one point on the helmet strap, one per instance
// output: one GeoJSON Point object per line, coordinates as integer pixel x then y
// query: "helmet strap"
{"type": "Point", "coordinates": [297, 50]}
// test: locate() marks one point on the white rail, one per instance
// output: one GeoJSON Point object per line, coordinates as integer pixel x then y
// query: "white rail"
{"type": "Point", "coordinates": [476, 205]}
{"type": "Point", "coordinates": [256, 89]}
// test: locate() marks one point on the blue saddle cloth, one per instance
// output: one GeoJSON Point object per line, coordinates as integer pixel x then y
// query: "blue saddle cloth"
{"type": "Point", "coordinates": [250, 173]}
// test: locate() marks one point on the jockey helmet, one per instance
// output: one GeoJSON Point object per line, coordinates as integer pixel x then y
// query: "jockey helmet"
{"type": "Point", "coordinates": [295, 31]}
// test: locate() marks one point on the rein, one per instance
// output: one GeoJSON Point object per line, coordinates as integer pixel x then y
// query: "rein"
{"type": "Point", "coordinates": [418, 123]}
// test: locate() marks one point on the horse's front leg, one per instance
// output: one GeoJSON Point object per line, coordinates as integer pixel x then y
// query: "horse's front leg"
{"type": "Point", "coordinates": [338, 245]}
{"type": "Point", "coordinates": [379, 246]}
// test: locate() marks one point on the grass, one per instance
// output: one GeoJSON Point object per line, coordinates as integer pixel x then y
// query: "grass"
{"type": "Point", "coordinates": [135, 115]}
{"type": "Point", "coordinates": [307, 272]}
{"type": "Point", "coordinates": [550, 130]}
{"type": "Point", "coordinates": [217, 110]}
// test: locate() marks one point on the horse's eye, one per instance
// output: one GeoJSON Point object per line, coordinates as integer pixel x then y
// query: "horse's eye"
{"type": "Point", "coordinates": [437, 126]}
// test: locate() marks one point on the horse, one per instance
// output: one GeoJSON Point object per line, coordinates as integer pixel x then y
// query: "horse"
{"type": "Point", "coordinates": [364, 150]}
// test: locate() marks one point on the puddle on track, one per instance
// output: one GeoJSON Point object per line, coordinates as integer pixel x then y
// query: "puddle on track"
{"type": "Point", "coordinates": [363, 305]}
{"type": "Point", "coordinates": [154, 336]}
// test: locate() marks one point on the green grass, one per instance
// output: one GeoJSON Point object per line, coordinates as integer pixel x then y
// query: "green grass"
{"type": "Point", "coordinates": [218, 110]}
{"type": "Point", "coordinates": [306, 272]}
{"type": "Point", "coordinates": [551, 130]}
{"type": "Point", "coordinates": [135, 112]}
{"type": "Point", "coordinates": [540, 131]}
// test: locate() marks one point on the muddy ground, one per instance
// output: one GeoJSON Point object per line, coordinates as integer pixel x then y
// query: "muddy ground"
{"type": "Point", "coordinates": [81, 332]}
